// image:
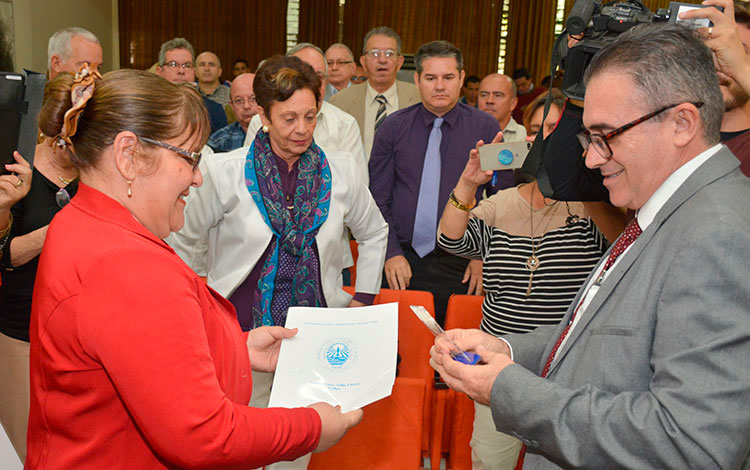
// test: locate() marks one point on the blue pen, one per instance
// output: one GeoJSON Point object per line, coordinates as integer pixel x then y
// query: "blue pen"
{"type": "Point", "coordinates": [457, 353]}
{"type": "Point", "coordinates": [494, 178]}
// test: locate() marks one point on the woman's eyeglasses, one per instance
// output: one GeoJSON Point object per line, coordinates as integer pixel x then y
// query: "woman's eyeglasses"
{"type": "Point", "coordinates": [191, 157]}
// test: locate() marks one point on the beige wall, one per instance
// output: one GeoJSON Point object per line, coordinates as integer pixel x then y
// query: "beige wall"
{"type": "Point", "coordinates": [36, 20]}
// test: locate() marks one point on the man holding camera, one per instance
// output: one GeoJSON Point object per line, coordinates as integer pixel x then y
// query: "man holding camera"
{"type": "Point", "coordinates": [646, 369]}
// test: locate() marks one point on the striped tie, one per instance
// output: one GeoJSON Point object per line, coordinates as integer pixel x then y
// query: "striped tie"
{"type": "Point", "coordinates": [380, 117]}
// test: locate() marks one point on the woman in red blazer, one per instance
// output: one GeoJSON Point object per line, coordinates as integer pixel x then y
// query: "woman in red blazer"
{"type": "Point", "coordinates": [135, 362]}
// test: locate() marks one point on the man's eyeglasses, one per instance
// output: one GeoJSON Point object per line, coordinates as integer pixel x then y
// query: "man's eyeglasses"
{"type": "Point", "coordinates": [375, 53]}
{"type": "Point", "coordinates": [191, 157]}
{"type": "Point", "coordinates": [358, 79]}
{"type": "Point", "coordinates": [339, 62]}
{"type": "Point", "coordinates": [241, 101]}
{"type": "Point", "coordinates": [601, 141]}
{"type": "Point", "coordinates": [173, 64]}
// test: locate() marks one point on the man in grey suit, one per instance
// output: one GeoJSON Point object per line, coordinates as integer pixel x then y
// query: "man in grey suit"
{"type": "Point", "coordinates": [649, 369]}
{"type": "Point", "coordinates": [382, 94]}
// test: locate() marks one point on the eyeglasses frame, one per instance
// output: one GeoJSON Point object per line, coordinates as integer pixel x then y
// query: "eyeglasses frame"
{"type": "Point", "coordinates": [585, 137]}
{"type": "Point", "coordinates": [173, 64]}
{"type": "Point", "coordinates": [340, 63]}
{"type": "Point", "coordinates": [193, 158]}
{"type": "Point", "coordinates": [375, 53]}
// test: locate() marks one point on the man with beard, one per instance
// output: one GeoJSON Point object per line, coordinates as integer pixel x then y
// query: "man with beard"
{"type": "Point", "coordinates": [730, 42]}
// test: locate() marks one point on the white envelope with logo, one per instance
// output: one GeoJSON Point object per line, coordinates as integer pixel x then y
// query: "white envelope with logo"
{"type": "Point", "coordinates": [342, 356]}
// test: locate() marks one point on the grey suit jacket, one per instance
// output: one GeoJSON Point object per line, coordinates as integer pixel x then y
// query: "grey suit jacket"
{"type": "Point", "coordinates": [352, 100]}
{"type": "Point", "coordinates": [656, 374]}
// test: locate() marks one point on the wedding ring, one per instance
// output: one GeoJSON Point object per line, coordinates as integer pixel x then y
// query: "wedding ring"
{"type": "Point", "coordinates": [710, 31]}
{"type": "Point", "coordinates": [20, 182]}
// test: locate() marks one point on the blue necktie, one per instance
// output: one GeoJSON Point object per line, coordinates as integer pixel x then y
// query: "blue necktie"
{"type": "Point", "coordinates": [425, 221]}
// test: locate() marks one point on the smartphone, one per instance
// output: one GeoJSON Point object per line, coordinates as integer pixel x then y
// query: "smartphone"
{"type": "Point", "coordinates": [11, 97]}
{"type": "Point", "coordinates": [675, 8]}
{"type": "Point", "coordinates": [503, 156]}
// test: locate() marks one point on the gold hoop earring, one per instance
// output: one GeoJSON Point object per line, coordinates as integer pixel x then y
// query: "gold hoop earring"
{"type": "Point", "coordinates": [130, 193]}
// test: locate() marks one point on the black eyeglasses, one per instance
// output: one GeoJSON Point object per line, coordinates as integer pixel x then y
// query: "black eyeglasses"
{"type": "Point", "coordinates": [191, 157]}
{"type": "Point", "coordinates": [600, 141]}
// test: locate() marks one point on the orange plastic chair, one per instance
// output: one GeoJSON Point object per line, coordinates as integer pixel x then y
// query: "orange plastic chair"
{"type": "Point", "coordinates": [388, 438]}
{"type": "Point", "coordinates": [456, 409]}
{"type": "Point", "coordinates": [414, 343]}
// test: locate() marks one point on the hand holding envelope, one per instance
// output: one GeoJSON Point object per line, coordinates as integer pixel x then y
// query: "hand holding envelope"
{"type": "Point", "coordinates": [340, 356]}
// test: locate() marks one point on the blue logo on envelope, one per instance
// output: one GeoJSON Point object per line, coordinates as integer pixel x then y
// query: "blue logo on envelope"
{"type": "Point", "coordinates": [337, 354]}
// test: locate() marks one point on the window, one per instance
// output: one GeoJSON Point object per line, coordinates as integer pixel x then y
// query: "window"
{"type": "Point", "coordinates": [292, 23]}
{"type": "Point", "coordinates": [504, 19]}
{"type": "Point", "coordinates": [559, 17]}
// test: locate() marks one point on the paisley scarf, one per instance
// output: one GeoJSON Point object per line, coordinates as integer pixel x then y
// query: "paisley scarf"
{"type": "Point", "coordinates": [293, 255]}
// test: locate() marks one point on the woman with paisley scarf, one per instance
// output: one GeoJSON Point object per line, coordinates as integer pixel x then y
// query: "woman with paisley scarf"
{"type": "Point", "coordinates": [265, 226]}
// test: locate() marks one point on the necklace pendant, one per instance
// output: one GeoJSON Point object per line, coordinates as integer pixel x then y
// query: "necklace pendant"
{"type": "Point", "coordinates": [532, 263]}
{"type": "Point", "coordinates": [531, 279]}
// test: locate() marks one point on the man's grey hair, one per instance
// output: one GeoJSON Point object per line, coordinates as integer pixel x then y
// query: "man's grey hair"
{"type": "Point", "coordinates": [308, 45]}
{"type": "Point", "coordinates": [172, 44]}
{"type": "Point", "coordinates": [668, 64]}
{"type": "Point", "coordinates": [438, 49]}
{"type": "Point", "coordinates": [382, 31]}
{"type": "Point", "coordinates": [342, 46]}
{"type": "Point", "coordinates": [59, 43]}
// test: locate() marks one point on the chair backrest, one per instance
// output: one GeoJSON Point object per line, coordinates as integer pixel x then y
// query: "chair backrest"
{"type": "Point", "coordinates": [414, 342]}
{"type": "Point", "coordinates": [464, 311]}
{"type": "Point", "coordinates": [389, 436]}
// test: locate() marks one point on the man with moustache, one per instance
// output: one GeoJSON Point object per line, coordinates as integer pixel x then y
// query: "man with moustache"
{"type": "Point", "coordinates": [417, 157]}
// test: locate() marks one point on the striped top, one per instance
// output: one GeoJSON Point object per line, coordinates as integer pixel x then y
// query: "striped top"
{"type": "Point", "coordinates": [498, 233]}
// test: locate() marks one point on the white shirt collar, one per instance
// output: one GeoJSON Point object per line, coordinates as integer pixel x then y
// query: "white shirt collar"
{"type": "Point", "coordinates": [390, 94]}
{"type": "Point", "coordinates": [657, 200]}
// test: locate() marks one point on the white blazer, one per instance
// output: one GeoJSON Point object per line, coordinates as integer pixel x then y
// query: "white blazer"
{"type": "Point", "coordinates": [225, 235]}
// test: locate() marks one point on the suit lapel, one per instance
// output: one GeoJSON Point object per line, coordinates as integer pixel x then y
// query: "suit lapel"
{"type": "Point", "coordinates": [717, 166]}
{"type": "Point", "coordinates": [359, 113]}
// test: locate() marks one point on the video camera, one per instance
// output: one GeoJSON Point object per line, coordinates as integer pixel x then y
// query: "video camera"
{"type": "Point", "coordinates": [600, 25]}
